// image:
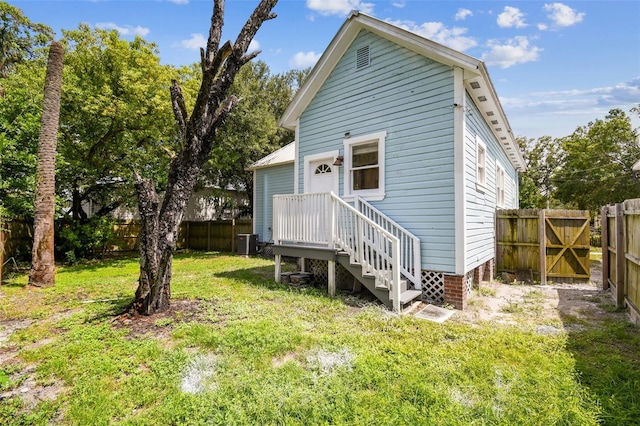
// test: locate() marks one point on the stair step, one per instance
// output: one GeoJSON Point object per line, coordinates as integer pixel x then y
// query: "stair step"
{"type": "Point", "coordinates": [403, 285]}
{"type": "Point", "coordinates": [408, 296]}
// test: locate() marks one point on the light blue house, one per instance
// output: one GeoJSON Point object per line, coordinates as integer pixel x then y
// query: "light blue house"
{"type": "Point", "coordinates": [402, 154]}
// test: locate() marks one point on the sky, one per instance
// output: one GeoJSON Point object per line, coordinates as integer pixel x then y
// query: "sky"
{"type": "Point", "coordinates": [555, 65]}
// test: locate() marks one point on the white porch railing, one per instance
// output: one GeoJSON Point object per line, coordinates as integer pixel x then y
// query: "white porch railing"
{"type": "Point", "coordinates": [326, 220]}
{"type": "Point", "coordinates": [410, 257]}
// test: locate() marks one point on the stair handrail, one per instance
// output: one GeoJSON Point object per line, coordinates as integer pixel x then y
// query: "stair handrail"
{"type": "Point", "coordinates": [375, 249]}
{"type": "Point", "coordinates": [410, 255]}
{"type": "Point", "coordinates": [301, 218]}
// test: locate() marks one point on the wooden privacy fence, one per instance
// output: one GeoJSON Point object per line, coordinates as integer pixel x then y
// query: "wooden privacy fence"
{"type": "Point", "coordinates": [218, 235]}
{"type": "Point", "coordinates": [212, 235]}
{"type": "Point", "coordinates": [552, 244]}
{"type": "Point", "coordinates": [621, 254]}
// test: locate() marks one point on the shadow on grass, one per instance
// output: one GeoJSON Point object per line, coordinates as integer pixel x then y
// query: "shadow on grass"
{"type": "Point", "coordinates": [606, 350]}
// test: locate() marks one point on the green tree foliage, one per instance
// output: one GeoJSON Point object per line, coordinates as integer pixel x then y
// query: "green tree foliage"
{"type": "Point", "coordinates": [595, 163]}
{"type": "Point", "coordinates": [535, 183]}
{"type": "Point", "coordinates": [19, 38]}
{"type": "Point", "coordinates": [116, 116]}
{"type": "Point", "coordinates": [20, 114]}
{"type": "Point", "coordinates": [252, 130]}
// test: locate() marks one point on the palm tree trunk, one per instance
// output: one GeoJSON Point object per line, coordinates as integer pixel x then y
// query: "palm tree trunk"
{"type": "Point", "coordinates": [42, 272]}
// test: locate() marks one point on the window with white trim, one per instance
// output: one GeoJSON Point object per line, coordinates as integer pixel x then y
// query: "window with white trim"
{"type": "Point", "coordinates": [481, 162]}
{"type": "Point", "coordinates": [500, 184]}
{"type": "Point", "coordinates": [364, 166]}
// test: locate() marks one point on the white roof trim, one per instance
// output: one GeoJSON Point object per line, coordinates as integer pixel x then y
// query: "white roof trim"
{"type": "Point", "coordinates": [284, 155]}
{"type": "Point", "coordinates": [474, 69]}
{"type": "Point", "coordinates": [636, 167]}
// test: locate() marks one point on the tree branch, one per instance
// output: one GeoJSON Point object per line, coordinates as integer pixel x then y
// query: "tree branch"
{"type": "Point", "coordinates": [218, 60]}
{"type": "Point", "coordinates": [261, 13]}
{"type": "Point", "coordinates": [215, 31]}
{"type": "Point", "coordinates": [179, 107]}
{"type": "Point", "coordinates": [250, 56]}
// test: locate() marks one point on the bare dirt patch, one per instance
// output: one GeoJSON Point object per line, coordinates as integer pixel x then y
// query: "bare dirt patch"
{"type": "Point", "coordinates": [555, 304]}
{"type": "Point", "coordinates": [161, 324]}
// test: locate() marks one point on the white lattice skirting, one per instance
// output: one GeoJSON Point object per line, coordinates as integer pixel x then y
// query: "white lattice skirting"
{"type": "Point", "coordinates": [433, 286]}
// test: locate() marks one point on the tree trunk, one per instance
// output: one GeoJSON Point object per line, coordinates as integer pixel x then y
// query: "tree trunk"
{"type": "Point", "coordinates": [42, 272]}
{"type": "Point", "coordinates": [160, 224]}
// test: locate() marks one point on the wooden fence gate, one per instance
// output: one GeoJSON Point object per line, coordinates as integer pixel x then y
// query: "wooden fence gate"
{"type": "Point", "coordinates": [621, 254]}
{"type": "Point", "coordinates": [552, 244]}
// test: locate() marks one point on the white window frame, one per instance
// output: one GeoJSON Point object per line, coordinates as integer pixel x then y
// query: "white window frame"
{"type": "Point", "coordinates": [501, 185]}
{"type": "Point", "coordinates": [481, 164]}
{"type": "Point", "coordinates": [367, 194]}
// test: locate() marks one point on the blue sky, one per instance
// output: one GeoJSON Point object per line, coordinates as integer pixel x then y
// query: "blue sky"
{"type": "Point", "coordinates": [555, 65]}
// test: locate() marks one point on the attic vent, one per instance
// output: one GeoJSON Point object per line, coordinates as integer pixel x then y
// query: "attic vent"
{"type": "Point", "coordinates": [362, 58]}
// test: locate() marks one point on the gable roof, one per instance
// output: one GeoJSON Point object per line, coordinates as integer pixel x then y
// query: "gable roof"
{"type": "Point", "coordinates": [284, 155]}
{"type": "Point", "coordinates": [476, 78]}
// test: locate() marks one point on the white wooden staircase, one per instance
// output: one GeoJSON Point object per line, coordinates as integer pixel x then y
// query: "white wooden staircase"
{"type": "Point", "coordinates": [381, 254]}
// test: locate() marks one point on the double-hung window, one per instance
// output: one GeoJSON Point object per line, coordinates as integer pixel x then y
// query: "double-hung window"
{"type": "Point", "coordinates": [499, 185]}
{"type": "Point", "coordinates": [364, 166]}
{"type": "Point", "coordinates": [481, 164]}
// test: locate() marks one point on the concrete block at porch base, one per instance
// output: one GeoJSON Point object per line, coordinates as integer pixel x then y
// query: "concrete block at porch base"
{"type": "Point", "coordinates": [301, 278]}
{"type": "Point", "coordinates": [455, 291]}
{"type": "Point", "coordinates": [285, 277]}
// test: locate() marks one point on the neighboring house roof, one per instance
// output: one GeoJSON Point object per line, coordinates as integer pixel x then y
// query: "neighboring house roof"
{"type": "Point", "coordinates": [476, 77]}
{"type": "Point", "coordinates": [284, 155]}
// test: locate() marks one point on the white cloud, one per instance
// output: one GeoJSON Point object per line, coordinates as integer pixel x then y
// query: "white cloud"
{"type": "Point", "coordinates": [339, 7]}
{"type": "Point", "coordinates": [302, 60]}
{"type": "Point", "coordinates": [179, 1]}
{"type": "Point", "coordinates": [562, 15]}
{"type": "Point", "coordinates": [123, 30]}
{"type": "Point", "coordinates": [196, 41]}
{"type": "Point", "coordinates": [463, 14]}
{"type": "Point", "coordinates": [621, 93]}
{"type": "Point", "coordinates": [514, 51]}
{"type": "Point", "coordinates": [511, 17]}
{"type": "Point", "coordinates": [253, 46]}
{"type": "Point", "coordinates": [398, 4]}
{"type": "Point", "coordinates": [543, 27]}
{"type": "Point", "coordinates": [453, 37]}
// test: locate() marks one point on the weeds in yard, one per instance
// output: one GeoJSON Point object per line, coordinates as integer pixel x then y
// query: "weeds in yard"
{"type": "Point", "coordinates": [243, 349]}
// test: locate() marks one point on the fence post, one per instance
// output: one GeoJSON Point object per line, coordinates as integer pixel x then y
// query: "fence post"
{"type": "Point", "coordinates": [604, 235]}
{"type": "Point", "coordinates": [620, 257]}
{"type": "Point", "coordinates": [542, 239]}
{"type": "Point", "coordinates": [208, 235]}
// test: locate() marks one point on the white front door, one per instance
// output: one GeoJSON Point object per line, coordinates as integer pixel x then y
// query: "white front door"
{"type": "Point", "coordinates": [321, 175]}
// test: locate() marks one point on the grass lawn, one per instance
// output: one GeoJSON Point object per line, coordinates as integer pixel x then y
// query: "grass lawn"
{"type": "Point", "coordinates": [238, 348]}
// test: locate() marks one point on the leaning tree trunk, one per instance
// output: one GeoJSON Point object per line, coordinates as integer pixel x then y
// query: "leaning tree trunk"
{"type": "Point", "coordinates": [42, 272]}
{"type": "Point", "coordinates": [160, 223]}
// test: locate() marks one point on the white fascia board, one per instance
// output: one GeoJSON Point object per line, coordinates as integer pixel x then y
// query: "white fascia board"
{"type": "Point", "coordinates": [253, 169]}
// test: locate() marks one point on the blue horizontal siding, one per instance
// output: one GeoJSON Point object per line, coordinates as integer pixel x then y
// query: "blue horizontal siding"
{"type": "Point", "coordinates": [481, 204]}
{"type": "Point", "coordinates": [411, 98]}
{"type": "Point", "coordinates": [269, 182]}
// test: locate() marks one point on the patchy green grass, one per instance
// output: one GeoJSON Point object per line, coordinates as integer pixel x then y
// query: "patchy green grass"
{"type": "Point", "coordinates": [238, 348]}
